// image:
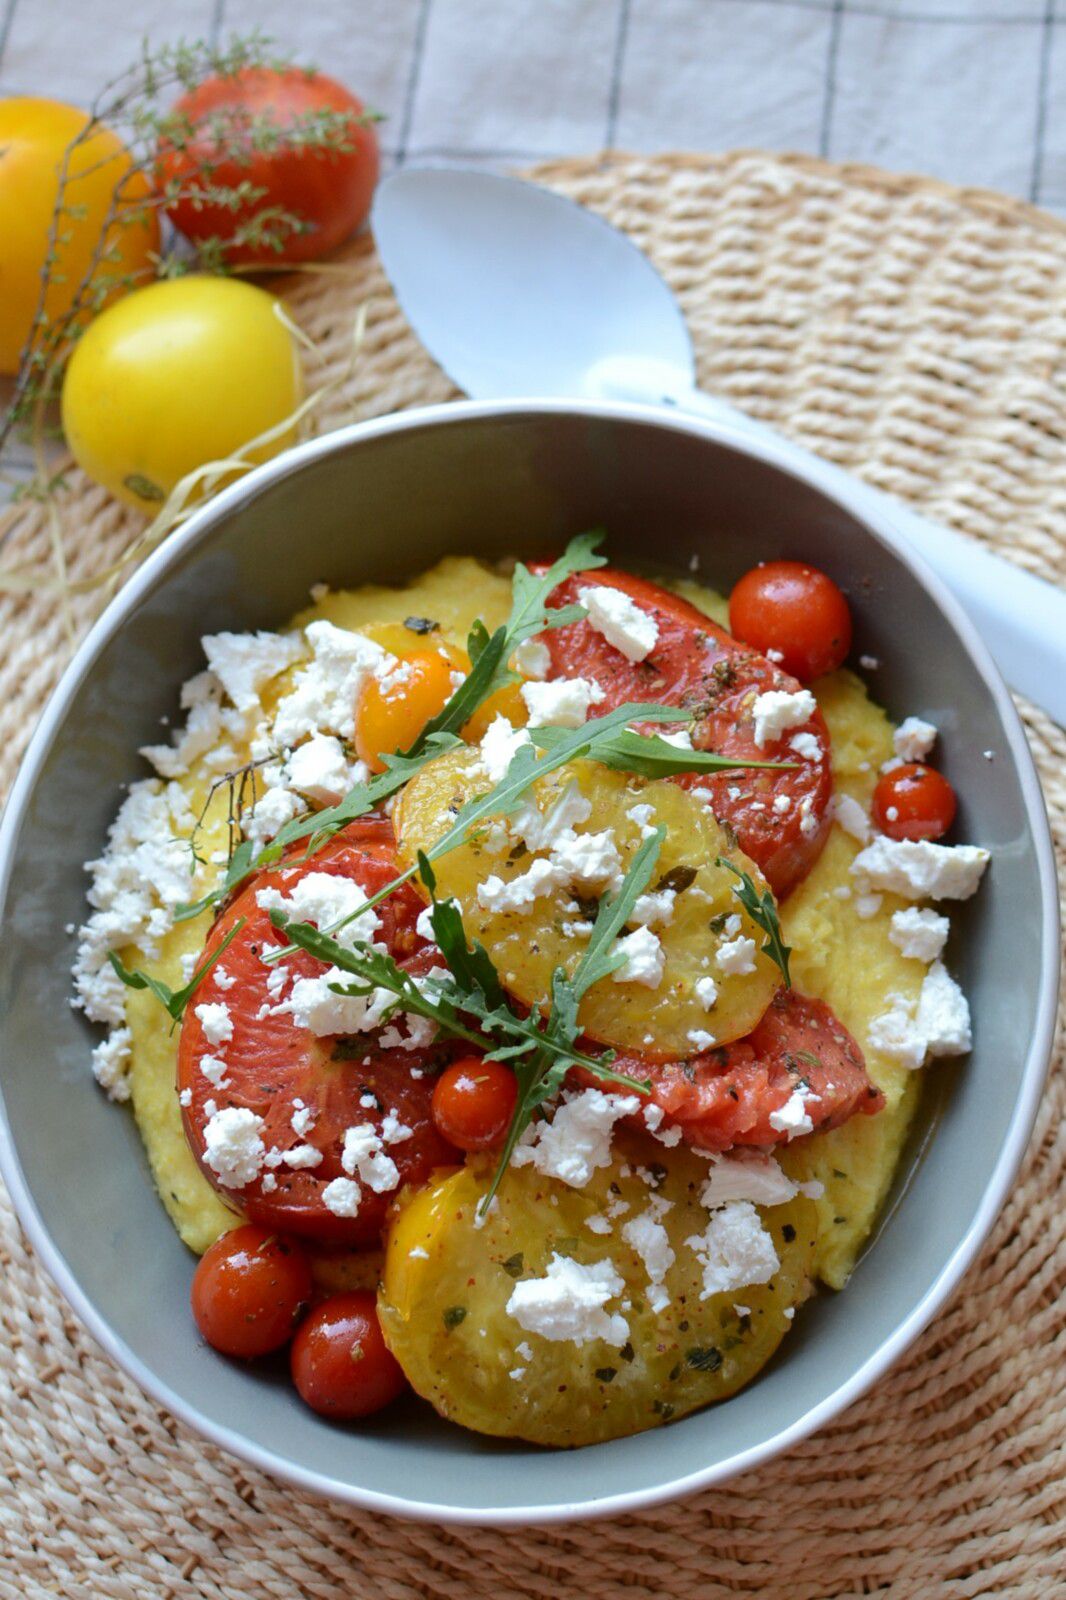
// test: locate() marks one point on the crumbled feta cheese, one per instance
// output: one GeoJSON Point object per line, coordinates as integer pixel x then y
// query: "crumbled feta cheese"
{"type": "Point", "coordinates": [869, 663]}
{"type": "Point", "coordinates": [233, 1148]}
{"type": "Point", "coordinates": [540, 878]}
{"type": "Point", "coordinates": [851, 817]}
{"type": "Point", "coordinates": [782, 803]}
{"type": "Point", "coordinates": [314, 1005]}
{"type": "Point", "coordinates": [216, 1021]}
{"type": "Point", "coordinates": [751, 1177]}
{"type": "Point", "coordinates": [220, 977]}
{"type": "Point", "coordinates": [214, 1070]}
{"type": "Point", "coordinates": [914, 739]}
{"type": "Point", "coordinates": [867, 906]}
{"type": "Point", "coordinates": [244, 662]}
{"type": "Point", "coordinates": [655, 909]}
{"type": "Point", "coordinates": [643, 815]}
{"type": "Point", "coordinates": [736, 957]}
{"type": "Point", "coordinates": [776, 656]}
{"type": "Point", "coordinates": [270, 814]}
{"type": "Point", "coordinates": [577, 1140]}
{"type": "Point", "coordinates": [342, 1197]}
{"type": "Point", "coordinates": [598, 1224]}
{"type": "Point", "coordinates": [777, 710]}
{"type": "Point", "coordinates": [918, 933]}
{"type": "Point", "coordinates": [563, 703]}
{"type": "Point", "coordinates": [792, 1118]}
{"type": "Point", "coordinates": [939, 1025]}
{"type": "Point", "coordinates": [620, 620]}
{"type": "Point", "coordinates": [319, 770]}
{"type": "Point", "coordinates": [681, 739]}
{"type": "Point", "coordinates": [541, 830]}
{"type": "Point", "coordinates": [706, 992]}
{"type": "Point", "coordinates": [302, 1119]}
{"type": "Point", "coordinates": [532, 659]}
{"type": "Point", "coordinates": [920, 870]}
{"type": "Point", "coordinates": [302, 1157]}
{"type": "Point", "coordinates": [185, 1099]}
{"type": "Point", "coordinates": [567, 1303]}
{"type": "Point", "coordinates": [700, 1039]}
{"type": "Point", "coordinates": [326, 690]}
{"type": "Point", "coordinates": [323, 899]}
{"type": "Point", "coordinates": [644, 959]}
{"type": "Point", "coordinates": [588, 859]}
{"type": "Point", "coordinates": [111, 1062]}
{"type": "Point", "coordinates": [734, 1250]}
{"type": "Point", "coordinates": [806, 746]}
{"type": "Point", "coordinates": [499, 745]}
{"type": "Point", "coordinates": [646, 1234]}
{"type": "Point", "coordinates": [364, 1155]}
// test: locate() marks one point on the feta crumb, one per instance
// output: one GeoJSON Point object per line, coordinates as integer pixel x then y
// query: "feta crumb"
{"type": "Point", "coordinates": [914, 739]}
{"type": "Point", "coordinates": [620, 620]}
{"type": "Point", "coordinates": [342, 1197]}
{"type": "Point", "coordinates": [563, 703]}
{"type": "Point", "coordinates": [706, 992]}
{"type": "Point", "coordinates": [497, 895]}
{"type": "Point", "coordinates": [323, 899]}
{"type": "Point", "coordinates": [736, 957]}
{"type": "Point", "coordinates": [216, 1021]}
{"type": "Point", "coordinates": [578, 1138]}
{"type": "Point", "coordinates": [532, 659]}
{"type": "Point", "coordinates": [777, 710]}
{"type": "Point", "coordinates": [541, 830]}
{"type": "Point", "coordinates": [939, 1025]}
{"type": "Point", "coordinates": [806, 745]}
{"type": "Point", "coordinates": [302, 1157]}
{"type": "Point", "coordinates": [233, 1148]}
{"type": "Point", "coordinates": [220, 977]}
{"type": "Point", "coordinates": [643, 815]}
{"type": "Point", "coordinates": [644, 959]}
{"type": "Point", "coordinates": [867, 906]}
{"type": "Point", "coordinates": [326, 690]}
{"type": "Point", "coordinates": [111, 1063]}
{"type": "Point", "coordinates": [244, 662]}
{"type": "Point", "coordinates": [302, 1119]}
{"type": "Point", "coordinates": [319, 770]}
{"type": "Point", "coordinates": [567, 1303]}
{"type": "Point", "coordinates": [363, 1154]}
{"type": "Point", "coordinates": [757, 1178]}
{"type": "Point", "coordinates": [270, 814]}
{"type": "Point", "coordinates": [919, 934]}
{"type": "Point", "coordinates": [597, 1224]}
{"type": "Point", "coordinates": [590, 860]}
{"type": "Point", "coordinates": [185, 1099]}
{"type": "Point", "coordinates": [920, 870]}
{"type": "Point", "coordinates": [646, 1234]}
{"type": "Point", "coordinates": [700, 1039]}
{"type": "Point", "coordinates": [734, 1250]}
{"type": "Point", "coordinates": [792, 1117]}
{"type": "Point", "coordinates": [869, 663]}
{"type": "Point", "coordinates": [655, 909]}
{"type": "Point", "coordinates": [214, 1070]}
{"type": "Point", "coordinates": [499, 745]}
{"type": "Point", "coordinates": [314, 1005]}
{"type": "Point", "coordinates": [851, 817]}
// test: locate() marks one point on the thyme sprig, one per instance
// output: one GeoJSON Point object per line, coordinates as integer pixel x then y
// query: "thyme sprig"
{"type": "Point", "coordinates": [762, 910]}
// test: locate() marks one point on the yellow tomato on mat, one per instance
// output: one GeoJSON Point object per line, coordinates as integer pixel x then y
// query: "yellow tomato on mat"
{"type": "Point", "coordinates": [174, 376]}
{"type": "Point", "coordinates": [34, 136]}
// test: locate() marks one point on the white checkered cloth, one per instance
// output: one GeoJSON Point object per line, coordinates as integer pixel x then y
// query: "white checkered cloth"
{"type": "Point", "coordinates": [972, 91]}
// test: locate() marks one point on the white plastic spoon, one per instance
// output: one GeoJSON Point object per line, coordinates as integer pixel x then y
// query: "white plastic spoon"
{"type": "Point", "coordinates": [519, 292]}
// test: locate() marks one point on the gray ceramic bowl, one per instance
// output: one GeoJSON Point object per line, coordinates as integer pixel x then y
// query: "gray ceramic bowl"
{"type": "Point", "coordinates": [379, 502]}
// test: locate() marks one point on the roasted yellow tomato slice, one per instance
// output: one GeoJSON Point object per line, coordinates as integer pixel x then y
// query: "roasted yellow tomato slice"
{"type": "Point", "coordinates": [715, 982]}
{"type": "Point", "coordinates": [444, 1300]}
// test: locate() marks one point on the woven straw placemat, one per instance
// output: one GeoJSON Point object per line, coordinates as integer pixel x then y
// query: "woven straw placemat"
{"type": "Point", "coordinates": [917, 335]}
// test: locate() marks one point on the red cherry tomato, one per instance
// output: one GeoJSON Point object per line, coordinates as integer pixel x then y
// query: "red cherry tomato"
{"type": "Point", "coordinates": [328, 188]}
{"type": "Point", "coordinates": [914, 802]}
{"type": "Point", "coordinates": [249, 1290]}
{"type": "Point", "coordinates": [473, 1102]}
{"type": "Point", "coordinates": [794, 611]}
{"type": "Point", "coordinates": [341, 1365]}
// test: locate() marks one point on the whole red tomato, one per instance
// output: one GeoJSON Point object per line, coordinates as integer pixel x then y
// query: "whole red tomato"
{"type": "Point", "coordinates": [300, 137]}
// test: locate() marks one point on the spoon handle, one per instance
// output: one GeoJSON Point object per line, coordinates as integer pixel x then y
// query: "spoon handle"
{"type": "Point", "coordinates": [1021, 618]}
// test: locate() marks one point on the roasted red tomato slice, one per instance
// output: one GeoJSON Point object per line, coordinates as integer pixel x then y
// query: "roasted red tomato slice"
{"type": "Point", "coordinates": [728, 1096]}
{"type": "Point", "coordinates": [309, 1090]}
{"type": "Point", "coordinates": [781, 819]}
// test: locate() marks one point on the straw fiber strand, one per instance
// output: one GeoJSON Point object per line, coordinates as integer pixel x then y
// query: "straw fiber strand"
{"type": "Point", "coordinates": [917, 335]}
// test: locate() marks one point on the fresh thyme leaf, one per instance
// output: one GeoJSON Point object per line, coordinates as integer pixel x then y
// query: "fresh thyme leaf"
{"type": "Point", "coordinates": [762, 910]}
{"type": "Point", "coordinates": [542, 1076]}
{"type": "Point", "coordinates": [173, 1001]}
{"type": "Point", "coordinates": [652, 757]}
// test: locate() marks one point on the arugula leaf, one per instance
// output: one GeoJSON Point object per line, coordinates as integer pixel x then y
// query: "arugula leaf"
{"type": "Point", "coordinates": [542, 1076]}
{"type": "Point", "coordinates": [173, 1001]}
{"type": "Point", "coordinates": [653, 757]}
{"type": "Point", "coordinates": [470, 965]}
{"type": "Point", "coordinates": [762, 911]}
{"type": "Point", "coordinates": [239, 866]}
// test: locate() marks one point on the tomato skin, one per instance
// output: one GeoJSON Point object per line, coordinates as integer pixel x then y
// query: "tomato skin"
{"type": "Point", "coordinates": [341, 1365]}
{"type": "Point", "coordinates": [725, 1097]}
{"type": "Point", "coordinates": [34, 135]}
{"type": "Point", "coordinates": [698, 665]}
{"type": "Point", "coordinates": [270, 1063]}
{"type": "Point", "coordinates": [796, 610]}
{"type": "Point", "coordinates": [176, 375]}
{"type": "Point", "coordinates": [328, 188]}
{"type": "Point", "coordinates": [249, 1291]}
{"type": "Point", "coordinates": [390, 719]}
{"type": "Point", "coordinates": [914, 802]}
{"type": "Point", "coordinates": [473, 1102]}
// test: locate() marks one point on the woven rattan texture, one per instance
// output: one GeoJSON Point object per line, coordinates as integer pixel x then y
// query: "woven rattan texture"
{"type": "Point", "coordinates": [918, 336]}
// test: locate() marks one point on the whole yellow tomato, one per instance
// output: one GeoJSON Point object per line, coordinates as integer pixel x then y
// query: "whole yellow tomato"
{"type": "Point", "coordinates": [34, 134]}
{"type": "Point", "coordinates": [176, 375]}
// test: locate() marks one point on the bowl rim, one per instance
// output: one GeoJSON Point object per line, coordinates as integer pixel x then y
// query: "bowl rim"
{"type": "Point", "coordinates": [867, 509]}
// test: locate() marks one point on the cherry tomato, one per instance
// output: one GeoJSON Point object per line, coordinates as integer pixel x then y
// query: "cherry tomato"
{"type": "Point", "coordinates": [794, 614]}
{"type": "Point", "coordinates": [473, 1102]}
{"type": "Point", "coordinates": [39, 141]}
{"type": "Point", "coordinates": [914, 802]}
{"type": "Point", "coordinates": [341, 1365]}
{"type": "Point", "coordinates": [222, 136]}
{"type": "Point", "coordinates": [391, 716]}
{"type": "Point", "coordinates": [249, 1291]}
